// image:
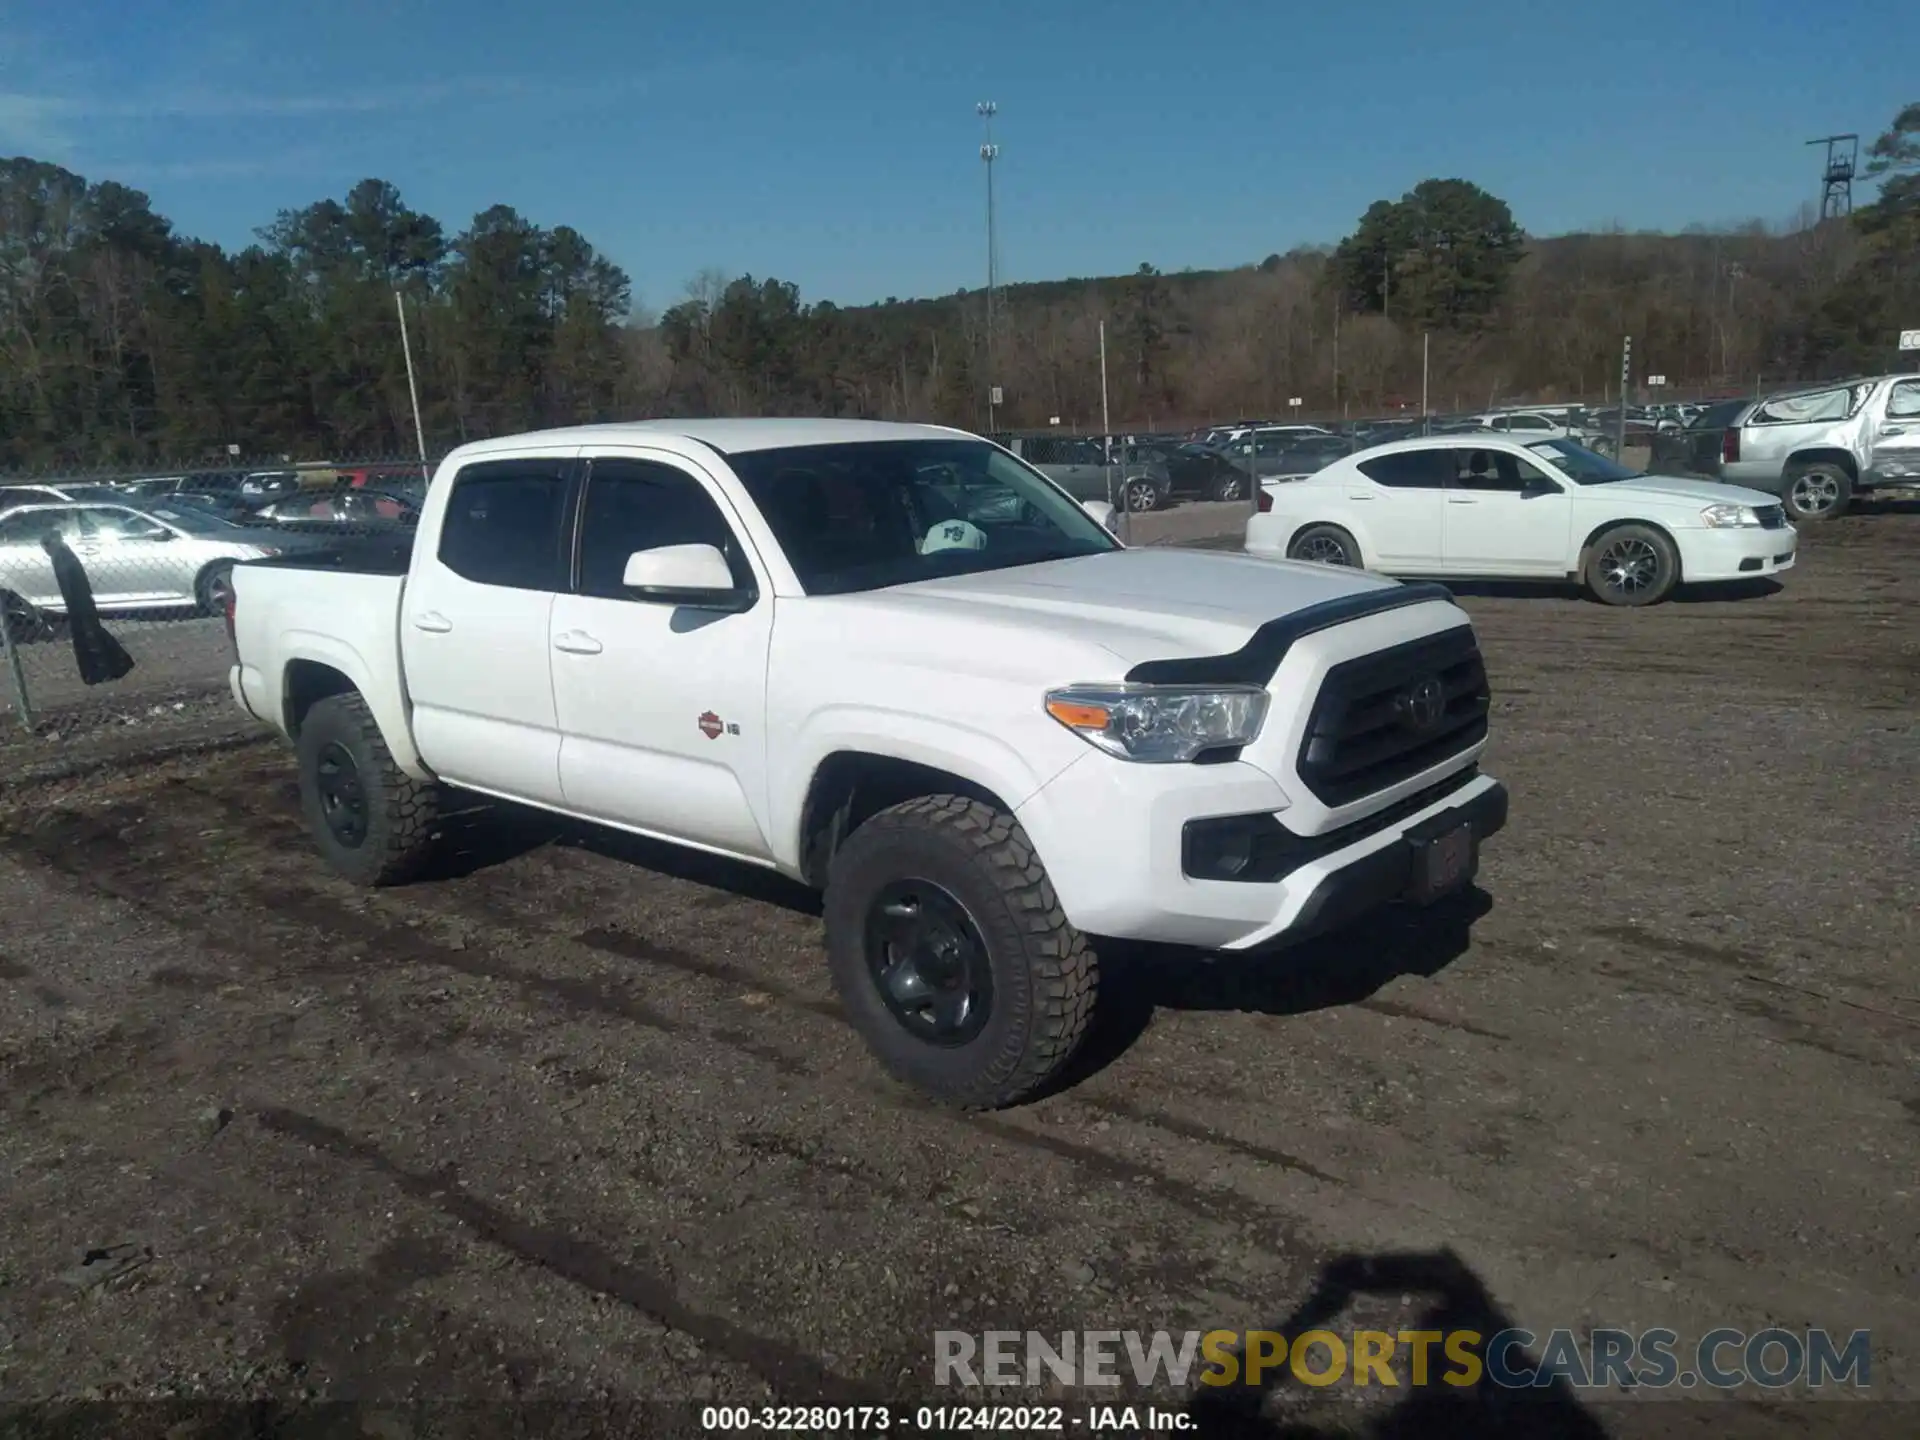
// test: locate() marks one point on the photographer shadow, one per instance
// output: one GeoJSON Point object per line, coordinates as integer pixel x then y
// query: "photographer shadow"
{"type": "Point", "coordinates": [1452, 1298]}
{"type": "Point", "coordinates": [1345, 967]}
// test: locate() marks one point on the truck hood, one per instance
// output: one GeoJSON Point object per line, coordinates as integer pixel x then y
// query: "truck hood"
{"type": "Point", "coordinates": [1692, 493]}
{"type": "Point", "coordinates": [1137, 605]}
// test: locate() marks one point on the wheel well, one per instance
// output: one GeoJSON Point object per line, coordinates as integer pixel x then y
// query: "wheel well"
{"type": "Point", "coordinates": [306, 684]}
{"type": "Point", "coordinates": [1307, 525]}
{"type": "Point", "coordinates": [1586, 545]}
{"type": "Point", "coordinates": [207, 569]}
{"type": "Point", "coordinates": [851, 786]}
{"type": "Point", "coordinates": [1832, 457]}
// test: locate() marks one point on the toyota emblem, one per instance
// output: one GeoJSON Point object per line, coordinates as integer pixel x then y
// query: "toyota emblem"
{"type": "Point", "coordinates": [1422, 704]}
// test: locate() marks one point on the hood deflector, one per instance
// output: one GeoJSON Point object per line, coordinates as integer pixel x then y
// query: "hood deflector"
{"type": "Point", "coordinates": [1254, 662]}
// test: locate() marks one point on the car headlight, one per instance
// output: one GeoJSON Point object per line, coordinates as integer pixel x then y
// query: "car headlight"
{"type": "Point", "coordinates": [1161, 724]}
{"type": "Point", "coordinates": [1729, 517]}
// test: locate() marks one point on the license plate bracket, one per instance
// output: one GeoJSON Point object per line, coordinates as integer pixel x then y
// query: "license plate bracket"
{"type": "Point", "coordinates": [1446, 856]}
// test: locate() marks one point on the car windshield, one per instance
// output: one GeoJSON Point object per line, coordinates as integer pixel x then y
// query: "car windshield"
{"type": "Point", "coordinates": [871, 514]}
{"type": "Point", "coordinates": [1582, 465]}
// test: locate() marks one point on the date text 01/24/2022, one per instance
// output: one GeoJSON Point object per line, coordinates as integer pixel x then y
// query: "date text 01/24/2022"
{"type": "Point", "coordinates": [943, 1419]}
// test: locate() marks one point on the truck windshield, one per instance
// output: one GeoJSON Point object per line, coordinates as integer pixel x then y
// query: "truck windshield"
{"type": "Point", "coordinates": [870, 514]}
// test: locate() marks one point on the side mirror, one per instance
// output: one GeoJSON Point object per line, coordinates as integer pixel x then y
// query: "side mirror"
{"type": "Point", "coordinates": [1100, 510]}
{"type": "Point", "coordinates": [696, 575]}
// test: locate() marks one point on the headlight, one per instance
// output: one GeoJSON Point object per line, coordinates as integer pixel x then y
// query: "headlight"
{"type": "Point", "coordinates": [1725, 517]}
{"type": "Point", "coordinates": [1160, 724]}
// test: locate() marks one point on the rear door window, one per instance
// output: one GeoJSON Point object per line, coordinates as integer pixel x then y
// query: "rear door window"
{"type": "Point", "coordinates": [506, 524]}
{"type": "Point", "coordinates": [1431, 469]}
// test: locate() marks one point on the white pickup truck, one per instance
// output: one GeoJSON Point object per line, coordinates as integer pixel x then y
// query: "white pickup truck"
{"type": "Point", "coordinates": [896, 663]}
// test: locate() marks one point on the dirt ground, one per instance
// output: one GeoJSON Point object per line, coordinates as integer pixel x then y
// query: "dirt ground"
{"type": "Point", "coordinates": [578, 1125]}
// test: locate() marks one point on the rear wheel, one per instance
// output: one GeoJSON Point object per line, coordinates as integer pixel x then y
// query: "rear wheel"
{"type": "Point", "coordinates": [1141, 495]}
{"type": "Point", "coordinates": [1821, 490]}
{"type": "Point", "coordinates": [214, 586]}
{"type": "Point", "coordinates": [1230, 486]}
{"type": "Point", "coordinates": [372, 821]}
{"type": "Point", "coordinates": [1325, 545]}
{"type": "Point", "coordinates": [1632, 565]}
{"type": "Point", "coordinates": [952, 955]}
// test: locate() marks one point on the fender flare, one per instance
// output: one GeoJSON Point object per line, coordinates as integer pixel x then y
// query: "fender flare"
{"type": "Point", "coordinates": [393, 719]}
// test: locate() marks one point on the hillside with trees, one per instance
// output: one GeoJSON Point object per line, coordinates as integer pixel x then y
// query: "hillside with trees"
{"type": "Point", "coordinates": [123, 342]}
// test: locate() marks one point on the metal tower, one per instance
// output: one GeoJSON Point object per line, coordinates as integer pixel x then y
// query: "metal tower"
{"type": "Point", "coordinates": [1836, 179]}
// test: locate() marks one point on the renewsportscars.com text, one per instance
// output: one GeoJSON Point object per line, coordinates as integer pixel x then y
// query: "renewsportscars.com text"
{"type": "Point", "coordinates": [1603, 1358]}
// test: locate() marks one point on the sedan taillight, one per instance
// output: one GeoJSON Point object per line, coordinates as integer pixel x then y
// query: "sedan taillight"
{"type": "Point", "coordinates": [228, 609]}
{"type": "Point", "coordinates": [1729, 446]}
{"type": "Point", "coordinates": [1263, 502]}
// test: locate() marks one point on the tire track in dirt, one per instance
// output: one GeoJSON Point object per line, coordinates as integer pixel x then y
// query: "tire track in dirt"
{"type": "Point", "coordinates": [309, 947]}
{"type": "Point", "coordinates": [795, 1376]}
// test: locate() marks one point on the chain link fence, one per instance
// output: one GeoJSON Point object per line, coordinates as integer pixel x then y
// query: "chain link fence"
{"type": "Point", "coordinates": [115, 584]}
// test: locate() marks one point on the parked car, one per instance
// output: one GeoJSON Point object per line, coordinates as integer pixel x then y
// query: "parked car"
{"type": "Point", "coordinates": [14, 496]}
{"type": "Point", "coordinates": [1286, 453]}
{"type": "Point", "coordinates": [984, 738]}
{"type": "Point", "coordinates": [1196, 471]}
{"type": "Point", "coordinates": [1081, 467]}
{"type": "Point", "coordinates": [1819, 448]}
{"type": "Point", "coordinates": [1695, 448]}
{"type": "Point", "coordinates": [265, 485]}
{"type": "Point", "coordinates": [136, 558]}
{"type": "Point", "coordinates": [1494, 507]}
{"type": "Point", "coordinates": [342, 507]}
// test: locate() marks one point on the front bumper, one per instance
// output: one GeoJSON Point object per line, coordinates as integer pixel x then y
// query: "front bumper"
{"type": "Point", "coordinates": [1736, 554]}
{"type": "Point", "coordinates": [1118, 868]}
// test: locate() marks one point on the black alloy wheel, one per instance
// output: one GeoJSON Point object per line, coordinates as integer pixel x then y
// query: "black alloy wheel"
{"type": "Point", "coordinates": [929, 962]}
{"type": "Point", "coordinates": [343, 799]}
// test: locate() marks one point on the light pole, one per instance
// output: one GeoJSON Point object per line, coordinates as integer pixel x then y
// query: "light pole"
{"type": "Point", "coordinates": [989, 152]}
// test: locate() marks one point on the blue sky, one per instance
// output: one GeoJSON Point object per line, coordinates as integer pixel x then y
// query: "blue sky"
{"type": "Point", "coordinates": [835, 143]}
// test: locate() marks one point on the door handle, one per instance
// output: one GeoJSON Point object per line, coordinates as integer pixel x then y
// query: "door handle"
{"type": "Point", "coordinates": [433, 622]}
{"type": "Point", "coordinates": [575, 642]}
{"type": "Point", "coordinates": [1459, 500]}
{"type": "Point", "coordinates": [1894, 430]}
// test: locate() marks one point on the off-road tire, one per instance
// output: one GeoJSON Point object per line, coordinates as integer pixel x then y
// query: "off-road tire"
{"type": "Point", "coordinates": [1828, 478]}
{"type": "Point", "coordinates": [401, 812]}
{"type": "Point", "coordinates": [1665, 575]}
{"type": "Point", "coordinates": [1044, 973]}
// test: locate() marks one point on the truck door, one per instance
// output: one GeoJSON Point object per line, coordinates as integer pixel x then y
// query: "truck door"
{"type": "Point", "coordinates": [474, 627]}
{"type": "Point", "coordinates": [662, 707]}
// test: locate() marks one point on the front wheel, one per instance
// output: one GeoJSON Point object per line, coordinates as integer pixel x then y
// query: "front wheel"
{"type": "Point", "coordinates": [1632, 565]}
{"type": "Point", "coordinates": [952, 955]}
{"type": "Point", "coordinates": [1820, 491]}
{"type": "Point", "coordinates": [372, 821]}
{"type": "Point", "coordinates": [1230, 486]}
{"type": "Point", "coordinates": [1325, 545]}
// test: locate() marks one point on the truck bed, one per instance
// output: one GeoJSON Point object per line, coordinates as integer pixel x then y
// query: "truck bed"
{"type": "Point", "coordinates": [381, 554]}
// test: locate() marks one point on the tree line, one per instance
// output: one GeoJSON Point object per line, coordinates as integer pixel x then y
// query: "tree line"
{"type": "Point", "coordinates": [124, 342]}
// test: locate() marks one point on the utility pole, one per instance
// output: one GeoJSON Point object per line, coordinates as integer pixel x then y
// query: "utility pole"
{"type": "Point", "coordinates": [989, 152]}
{"type": "Point", "coordinates": [1426, 340]}
{"type": "Point", "coordinates": [413, 390]}
{"type": "Point", "coordinates": [1626, 377]}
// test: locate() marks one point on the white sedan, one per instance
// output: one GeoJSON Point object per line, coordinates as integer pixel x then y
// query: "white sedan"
{"type": "Point", "coordinates": [1493, 507]}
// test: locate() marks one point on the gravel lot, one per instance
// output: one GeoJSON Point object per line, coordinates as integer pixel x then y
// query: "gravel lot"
{"type": "Point", "coordinates": [580, 1122]}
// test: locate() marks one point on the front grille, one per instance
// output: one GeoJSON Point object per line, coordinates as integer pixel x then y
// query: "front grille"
{"type": "Point", "coordinates": [1772, 517]}
{"type": "Point", "coordinates": [1383, 718]}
